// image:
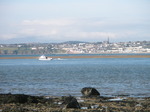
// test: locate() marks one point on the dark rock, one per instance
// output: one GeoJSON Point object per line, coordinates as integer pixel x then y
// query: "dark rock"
{"type": "Point", "coordinates": [15, 109]}
{"type": "Point", "coordinates": [70, 102]}
{"type": "Point", "coordinates": [19, 98]}
{"type": "Point", "coordinates": [89, 92]}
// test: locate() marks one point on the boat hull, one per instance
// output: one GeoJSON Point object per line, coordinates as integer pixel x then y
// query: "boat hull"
{"type": "Point", "coordinates": [46, 59]}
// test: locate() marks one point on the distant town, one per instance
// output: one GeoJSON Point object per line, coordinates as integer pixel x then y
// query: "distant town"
{"type": "Point", "coordinates": [75, 47]}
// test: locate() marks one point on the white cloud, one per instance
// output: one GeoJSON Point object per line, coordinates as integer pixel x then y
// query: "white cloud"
{"type": "Point", "coordinates": [92, 35]}
{"type": "Point", "coordinates": [72, 29]}
{"type": "Point", "coordinates": [8, 36]}
{"type": "Point", "coordinates": [65, 29]}
{"type": "Point", "coordinates": [55, 22]}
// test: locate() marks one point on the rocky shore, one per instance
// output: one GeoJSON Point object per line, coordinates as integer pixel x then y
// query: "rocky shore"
{"type": "Point", "coordinates": [90, 101]}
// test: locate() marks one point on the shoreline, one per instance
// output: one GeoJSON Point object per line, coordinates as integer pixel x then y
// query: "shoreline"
{"type": "Point", "coordinates": [27, 103]}
{"type": "Point", "coordinates": [90, 56]}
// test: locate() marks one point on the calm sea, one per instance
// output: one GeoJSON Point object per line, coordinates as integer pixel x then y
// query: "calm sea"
{"type": "Point", "coordinates": [110, 76]}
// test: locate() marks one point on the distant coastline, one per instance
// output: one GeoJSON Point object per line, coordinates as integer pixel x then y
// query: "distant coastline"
{"type": "Point", "coordinates": [82, 56]}
{"type": "Point", "coordinates": [75, 47]}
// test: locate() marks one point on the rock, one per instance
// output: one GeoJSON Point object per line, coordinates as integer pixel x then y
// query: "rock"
{"type": "Point", "coordinates": [89, 92]}
{"type": "Point", "coordinates": [20, 98]}
{"type": "Point", "coordinates": [70, 102]}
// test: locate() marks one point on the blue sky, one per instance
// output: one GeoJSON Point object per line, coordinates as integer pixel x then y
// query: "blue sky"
{"type": "Point", "coordinates": [74, 20]}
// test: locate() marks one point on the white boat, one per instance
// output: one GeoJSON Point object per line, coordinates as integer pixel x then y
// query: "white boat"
{"type": "Point", "coordinates": [43, 57]}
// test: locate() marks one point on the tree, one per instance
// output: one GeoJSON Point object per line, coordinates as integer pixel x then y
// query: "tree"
{"type": "Point", "coordinates": [15, 52]}
{"type": "Point", "coordinates": [5, 51]}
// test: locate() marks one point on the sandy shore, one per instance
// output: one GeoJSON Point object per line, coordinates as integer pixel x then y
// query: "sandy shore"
{"type": "Point", "coordinates": [89, 56]}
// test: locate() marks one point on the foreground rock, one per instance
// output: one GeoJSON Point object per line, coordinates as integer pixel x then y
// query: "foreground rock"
{"type": "Point", "coordinates": [70, 102]}
{"type": "Point", "coordinates": [20, 98]}
{"type": "Point", "coordinates": [89, 92]}
{"type": "Point", "coordinates": [27, 103]}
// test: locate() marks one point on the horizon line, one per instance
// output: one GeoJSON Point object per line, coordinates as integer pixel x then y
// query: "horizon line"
{"type": "Point", "coordinates": [71, 41]}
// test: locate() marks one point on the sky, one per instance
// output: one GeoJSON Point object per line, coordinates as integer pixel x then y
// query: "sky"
{"type": "Point", "coordinates": [48, 21]}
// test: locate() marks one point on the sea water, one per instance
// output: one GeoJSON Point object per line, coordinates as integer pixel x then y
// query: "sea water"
{"type": "Point", "coordinates": [59, 77]}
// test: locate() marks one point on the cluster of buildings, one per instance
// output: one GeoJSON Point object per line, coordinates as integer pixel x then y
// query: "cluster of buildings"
{"type": "Point", "coordinates": [76, 47]}
{"type": "Point", "coordinates": [106, 47]}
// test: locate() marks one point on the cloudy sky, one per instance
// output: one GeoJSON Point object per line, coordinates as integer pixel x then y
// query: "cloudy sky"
{"type": "Point", "coordinates": [74, 20]}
